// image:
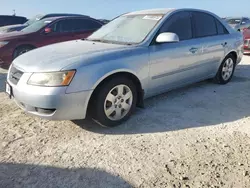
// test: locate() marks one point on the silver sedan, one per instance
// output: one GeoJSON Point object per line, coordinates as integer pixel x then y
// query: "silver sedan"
{"type": "Point", "coordinates": [135, 56]}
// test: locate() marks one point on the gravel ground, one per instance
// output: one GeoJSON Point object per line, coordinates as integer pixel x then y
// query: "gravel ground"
{"type": "Point", "coordinates": [198, 136]}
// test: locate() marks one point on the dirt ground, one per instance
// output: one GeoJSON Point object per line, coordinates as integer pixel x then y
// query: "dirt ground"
{"type": "Point", "coordinates": [198, 136]}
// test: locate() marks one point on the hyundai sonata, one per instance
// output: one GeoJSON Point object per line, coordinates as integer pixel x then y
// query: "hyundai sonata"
{"type": "Point", "coordinates": [135, 56]}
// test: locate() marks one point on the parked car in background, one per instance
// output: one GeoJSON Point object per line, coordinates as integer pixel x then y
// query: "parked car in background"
{"type": "Point", "coordinates": [19, 27]}
{"type": "Point", "coordinates": [133, 57]}
{"type": "Point", "coordinates": [44, 32]}
{"type": "Point", "coordinates": [246, 34]}
{"type": "Point", "coordinates": [104, 21]}
{"type": "Point", "coordinates": [11, 20]}
{"type": "Point", "coordinates": [239, 23]}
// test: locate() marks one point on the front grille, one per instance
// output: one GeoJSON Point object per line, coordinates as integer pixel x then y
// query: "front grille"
{"type": "Point", "coordinates": [15, 75]}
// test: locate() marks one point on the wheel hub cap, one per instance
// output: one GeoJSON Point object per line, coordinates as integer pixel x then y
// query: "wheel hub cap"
{"type": "Point", "coordinates": [227, 69]}
{"type": "Point", "coordinates": [118, 102]}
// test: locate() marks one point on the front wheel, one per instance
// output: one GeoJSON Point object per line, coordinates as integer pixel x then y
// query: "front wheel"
{"type": "Point", "coordinates": [21, 50]}
{"type": "Point", "coordinates": [226, 70]}
{"type": "Point", "coordinates": [114, 102]}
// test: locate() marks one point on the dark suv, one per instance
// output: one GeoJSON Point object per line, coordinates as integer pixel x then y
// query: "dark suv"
{"type": "Point", "coordinates": [20, 26]}
{"type": "Point", "coordinates": [12, 20]}
{"type": "Point", "coordinates": [44, 32]}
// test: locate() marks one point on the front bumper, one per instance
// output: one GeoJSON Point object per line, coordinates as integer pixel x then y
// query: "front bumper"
{"type": "Point", "coordinates": [51, 103]}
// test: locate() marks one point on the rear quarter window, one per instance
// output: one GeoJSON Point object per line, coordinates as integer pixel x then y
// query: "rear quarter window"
{"type": "Point", "coordinates": [91, 24]}
{"type": "Point", "coordinates": [220, 28]}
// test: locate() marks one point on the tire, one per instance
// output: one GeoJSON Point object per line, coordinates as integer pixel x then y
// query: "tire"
{"type": "Point", "coordinates": [21, 50]}
{"type": "Point", "coordinates": [110, 107]}
{"type": "Point", "coordinates": [227, 67]}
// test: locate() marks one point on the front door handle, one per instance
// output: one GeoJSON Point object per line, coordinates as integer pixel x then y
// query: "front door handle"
{"type": "Point", "coordinates": [193, 50]}
{"type": "Point", "coordinates": [224, 44]}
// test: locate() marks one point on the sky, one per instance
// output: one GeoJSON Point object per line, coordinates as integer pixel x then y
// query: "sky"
{"type": "Point", "coordinates": [108, 9]}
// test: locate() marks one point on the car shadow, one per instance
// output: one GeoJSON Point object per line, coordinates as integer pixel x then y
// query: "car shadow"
{"type": "Point", "coordinates": [198, 105]}
{"type": "Point", "coordinates": [3, 74]}
{"type": "Point", "coordinates": [22, 175]}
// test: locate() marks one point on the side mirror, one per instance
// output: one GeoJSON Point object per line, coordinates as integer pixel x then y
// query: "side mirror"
{"type": "Point", "coordinates": [167, 38]}
{"type": "Point", "coordinates": [47, 30]}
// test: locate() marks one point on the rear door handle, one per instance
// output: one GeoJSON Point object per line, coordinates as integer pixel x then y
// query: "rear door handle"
{"type": "Point", "coordinates": [193, 50]}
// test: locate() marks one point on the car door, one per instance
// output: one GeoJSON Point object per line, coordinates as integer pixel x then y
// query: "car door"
{"type": "Point", "coordinates": [209, 32]}
{"type": "Point", "coordinates": [173, 64]}
{"type": "Point", "coordinates": [85, 27]}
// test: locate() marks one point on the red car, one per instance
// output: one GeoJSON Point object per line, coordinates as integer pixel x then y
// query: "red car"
{"type": "Point", "coordinates": [246, 34]}
{"type": "Point", "coordinates": [45, 32]}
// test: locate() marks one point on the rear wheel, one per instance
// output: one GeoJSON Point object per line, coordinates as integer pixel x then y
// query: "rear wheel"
{"type": "Point", "coordinates": [21, 50]}
{"type": "Point", "coordinates": [114, 102]}
{"type": "Point", "coordinates": [226, 70]}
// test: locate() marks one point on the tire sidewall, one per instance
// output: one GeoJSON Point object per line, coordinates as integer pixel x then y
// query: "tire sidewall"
{"type": "Point", "coordinates": [19, 50]}
{"type": "Point", "coordinates": [99, 114]}
{"type": "Point", "coordinates": [219, 76]}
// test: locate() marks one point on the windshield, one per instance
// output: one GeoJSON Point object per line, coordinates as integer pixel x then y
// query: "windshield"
{"type": "Point", "coordinates": [36, 26]}
{"type": "Point", "coordinates": [234, 21]}
{"type": "Point", "coordinates": [34, 19]}
{"type": "Point", "coordinates": [130, 29]}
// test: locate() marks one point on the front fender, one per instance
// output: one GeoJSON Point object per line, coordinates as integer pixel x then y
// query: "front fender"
{"type": "Point", "coordinates": [88, 77]}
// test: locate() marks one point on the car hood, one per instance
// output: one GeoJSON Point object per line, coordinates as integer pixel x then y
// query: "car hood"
{"type": "Point", "coordinates": [17, 27]}
{"type": "Point", "coordinates": [12, 35]}
{"type": "Point", "coordinates": [67, 54]}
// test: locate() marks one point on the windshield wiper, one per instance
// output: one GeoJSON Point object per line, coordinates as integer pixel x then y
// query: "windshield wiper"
{"type": "Point", "coordinates": [94, 40]}
{"type": "Point", "coordinates": [107, 41]}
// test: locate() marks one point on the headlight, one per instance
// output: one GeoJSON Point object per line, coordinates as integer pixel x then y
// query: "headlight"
{"type": "Point", "coordinates": [3, 43]}
{"type": "Point", "coordinates": [51, 78]}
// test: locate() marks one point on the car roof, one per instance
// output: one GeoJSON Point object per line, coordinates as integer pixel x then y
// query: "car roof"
{"type": "Point", "coordinates": [62, 17]}
{"type": "Point", "coordinates": [60, 14]}
{"type": "Point", "coordinates": [236, 17]}
{"type": "Point", "coordinates": [165, 11]}
{"type": "Point", "coordinates": [152, 11]}
{"type": "Point", "coordinates": [13, 16]}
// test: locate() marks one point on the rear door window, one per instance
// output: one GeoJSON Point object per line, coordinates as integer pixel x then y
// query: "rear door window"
{"type": "Point", "coordinates": [180, 24]}
{"type": "Point", "coordinates": [85, 25]}
{"type": "Point", "coordinates": [11, 20]}
{"type": "Point", "coordinates": [63, 26]}
{"type": "Point", "coordinates": [75, 25]}
{"type": "Point", "coordinates": [204, 24]}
